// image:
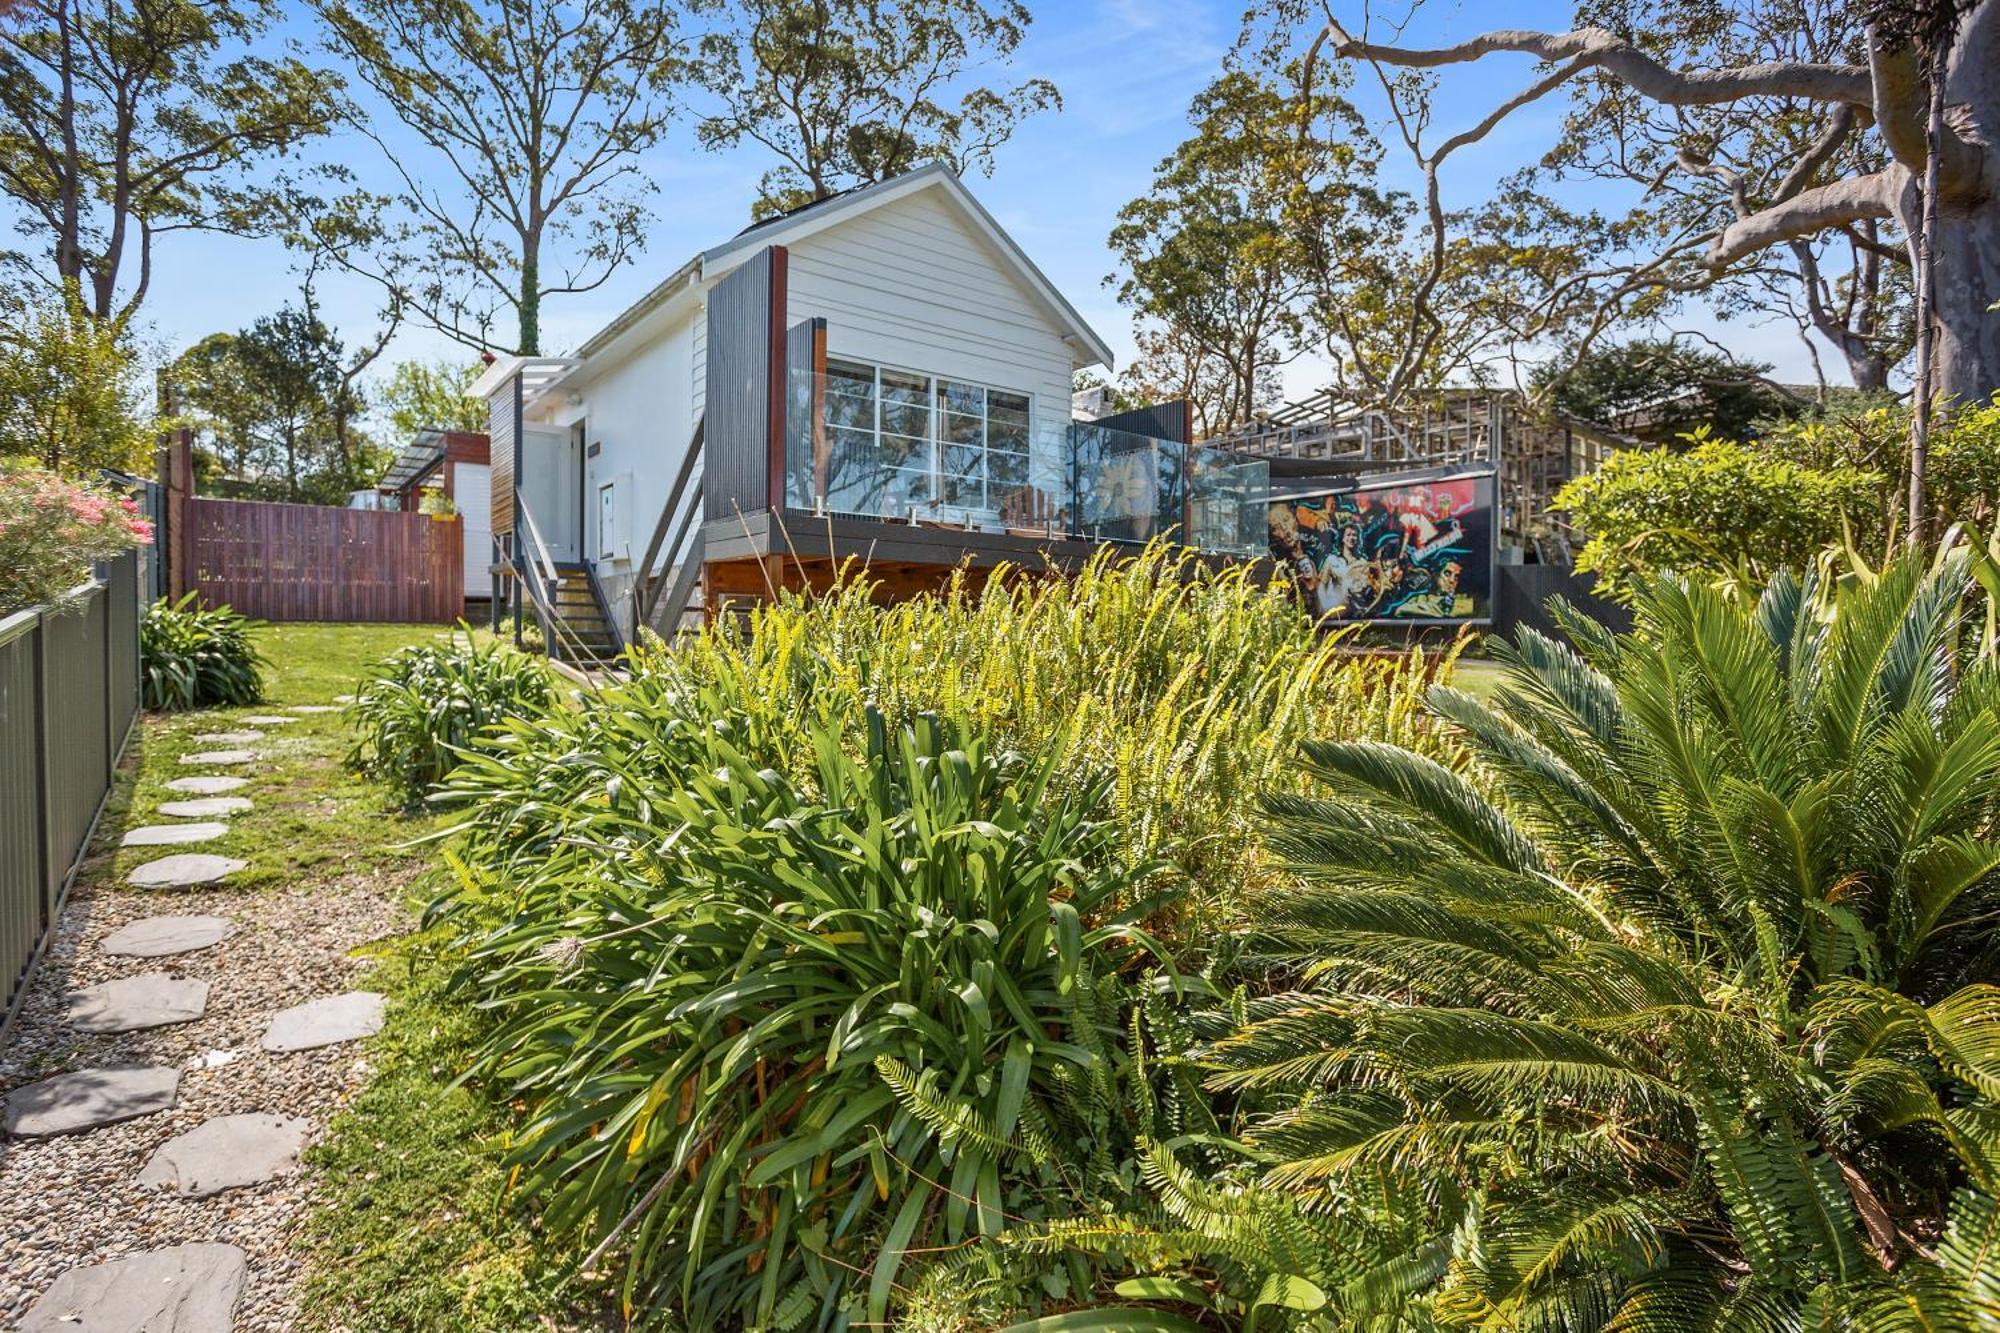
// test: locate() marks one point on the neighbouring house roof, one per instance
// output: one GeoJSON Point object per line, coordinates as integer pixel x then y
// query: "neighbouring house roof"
{"type": "Point", "coordinates": [426, 453]}
{"type": "Point", "coordinates": [823, 213]}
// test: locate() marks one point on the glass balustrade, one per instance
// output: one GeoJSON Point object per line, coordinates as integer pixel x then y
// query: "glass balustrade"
{"type": "Point", "coordinates": [890, 445]}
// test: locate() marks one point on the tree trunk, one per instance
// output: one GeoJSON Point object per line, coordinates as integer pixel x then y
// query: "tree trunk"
{"type": "Point", "coordinates": [1966, 287]}
{"type": "Point", "coordinates": [530, 337]}
{"type": "Point", "coordinates": [1968, 236]}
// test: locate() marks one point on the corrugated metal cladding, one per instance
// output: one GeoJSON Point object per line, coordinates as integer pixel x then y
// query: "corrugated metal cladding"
{"type": "Point", "coordinates": [500, 415]}
{"type": "Point", "coordinates": [745, 314]}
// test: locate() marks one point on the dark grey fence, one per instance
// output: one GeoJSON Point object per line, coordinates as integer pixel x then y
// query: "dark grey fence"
{"type": "Point", "coordinates": [69, 692]}
{"type": "Point", "coordinates": [1521, 594]}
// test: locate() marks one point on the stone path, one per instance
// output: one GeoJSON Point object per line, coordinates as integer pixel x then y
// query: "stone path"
{"type": "Point", "coordinates": [184, 871]}
{"type": "Point", "coordinates": [177, 1086]}
{"type": "Point", "coordinates": [206, 807]}
{"type": "Point", "coordinates": [126, 1004]}
{"type": "Point", "coordinates": [182, 1289]}
{"type": "Point", "coordinates": [336, 1018]}
{"type": "Point", "coordinates": [172, 835]}
{"type": "Point", "coordinates": [163, 936]}
{"type": "Point", "coordinates": [207, 786]}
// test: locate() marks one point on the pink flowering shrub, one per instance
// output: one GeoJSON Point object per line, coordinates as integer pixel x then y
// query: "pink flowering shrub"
{"type": "Point", "coordinates": [51, 530]}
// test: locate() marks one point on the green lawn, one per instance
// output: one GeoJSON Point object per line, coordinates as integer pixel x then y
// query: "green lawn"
{"type": "Point", "coordinates": [311, 815]}
{"type": "Point", "coordinates": [1477, 676]}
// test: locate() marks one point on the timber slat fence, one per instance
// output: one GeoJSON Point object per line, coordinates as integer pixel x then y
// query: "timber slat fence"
{"type": "Point", "coordinates": [69, 693]}
{"type": "Point", "coordinates": [313, 562]}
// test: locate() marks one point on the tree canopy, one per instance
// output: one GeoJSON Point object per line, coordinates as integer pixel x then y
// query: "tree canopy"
{"type": "Point", "coordinates": [1761, 135]}
{"type": "Point", "coordinates": [276, 406]}
{"type": "Point", "coordinates": [848, 92]}
{"type": "Point", "coordinates": [529, 117]}
{"type": "Point", "coordinates": [122, 121]}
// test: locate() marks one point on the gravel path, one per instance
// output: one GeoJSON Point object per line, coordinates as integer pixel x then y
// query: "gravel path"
{"type": "Point", "coordinates": [74, 1200]}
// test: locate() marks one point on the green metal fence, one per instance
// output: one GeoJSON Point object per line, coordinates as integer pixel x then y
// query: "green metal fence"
{"type": "Point", "coordinates": [69, 693]}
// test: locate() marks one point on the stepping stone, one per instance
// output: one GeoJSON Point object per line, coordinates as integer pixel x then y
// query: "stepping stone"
{"type": "Point", "coordinates": [127, 1004]}
{"type": "Point", "coordinates": [171, 835]}
{"type": "Point", "coordinates": [228, 737]}
{"type": "Point", "coordinates": [89, 1098]}
{"type": "Point", "coordinates": [207, 807]}
{"type": "Point", "coordinates": [207, 786]}
{"type": "Point", "coordinates": [161, 936]}
{"type": "Point", "coordinates": [323, 1022]}
{"type": "Point", "coordinates": [270, 720]}
{"type": "Point", "coordinates": [183, 871]}
{"type": "Point", "coordinates": [226, 1152]}
{"type": "Point", "coordinates": [180, 1289]}
{"type": "Point", "coordinates": [220, 757]}
{"type": "Point", "coordinates": [315, 708]}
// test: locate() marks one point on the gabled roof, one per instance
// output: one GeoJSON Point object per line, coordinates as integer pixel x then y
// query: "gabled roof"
{"type": "Point", "coordinates": [790, 227]}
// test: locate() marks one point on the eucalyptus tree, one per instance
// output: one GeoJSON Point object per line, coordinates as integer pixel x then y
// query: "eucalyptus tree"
{"type": "Point", "coordinates": [1800, 132]}
{"type": "Point", "coordinates": [848, 92]}
{"type": "Point", "coordinates": [122, 121]}
{"type": "Point", "coordinates": [522, 124]}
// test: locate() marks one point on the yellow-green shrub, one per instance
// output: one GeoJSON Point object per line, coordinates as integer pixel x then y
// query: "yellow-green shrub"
{"type": "Point", "coordinates": [1190, 687]}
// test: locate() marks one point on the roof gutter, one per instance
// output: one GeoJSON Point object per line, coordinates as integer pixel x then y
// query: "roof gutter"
{"type": "Point", "coordinates": [687, 275]}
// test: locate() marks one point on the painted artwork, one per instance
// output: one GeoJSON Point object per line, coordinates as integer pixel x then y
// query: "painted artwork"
{"type": "Point", "coordinates": [1414, 551]}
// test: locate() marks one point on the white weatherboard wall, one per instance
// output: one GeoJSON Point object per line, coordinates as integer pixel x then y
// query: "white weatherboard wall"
{"type": "Point", "coordinates": [638, 412]}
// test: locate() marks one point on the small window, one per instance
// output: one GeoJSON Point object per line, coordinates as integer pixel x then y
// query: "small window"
{"type": "Point", "coordinates": [607, 519]}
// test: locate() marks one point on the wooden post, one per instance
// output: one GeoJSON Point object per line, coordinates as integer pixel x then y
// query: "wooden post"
{"type": "Point", "coordinates": [175, 543]}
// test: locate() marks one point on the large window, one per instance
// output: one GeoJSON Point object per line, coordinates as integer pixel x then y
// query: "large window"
{"type": "Point", "coordinates": [984, 439]}
{"type": "Point", "coordinates": [899, 441]}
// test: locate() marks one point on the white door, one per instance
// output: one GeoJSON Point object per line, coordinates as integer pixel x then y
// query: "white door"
{"type": "Point", "coordinates": [472, 493]}
{"type": "Point", "coordinates": [552, 489]}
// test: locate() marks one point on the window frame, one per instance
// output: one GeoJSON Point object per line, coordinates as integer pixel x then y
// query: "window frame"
{"type": "Point", "coordinates": [936, 413]}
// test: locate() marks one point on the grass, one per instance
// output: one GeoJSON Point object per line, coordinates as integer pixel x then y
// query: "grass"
{"type": "Point", "coordinates": [413, 1228]}
{"type": "Point", "coordinates": [311, 817]}
{"type": "Point", "coordinates": [1478, 677]}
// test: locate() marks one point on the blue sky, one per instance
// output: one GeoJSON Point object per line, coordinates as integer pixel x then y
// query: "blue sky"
{"type": "Point", "coordinates": [1126, 68]}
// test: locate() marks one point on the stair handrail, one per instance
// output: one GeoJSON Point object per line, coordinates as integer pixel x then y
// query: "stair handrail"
{"type": "Point", "coordinates": [554, 628]}
{"type": "Point", "coordinates": [646, 588]}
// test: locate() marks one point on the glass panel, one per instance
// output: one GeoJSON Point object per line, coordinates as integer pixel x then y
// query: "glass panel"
{"type": "Point", "coordinates": [965, 399]}
{"type": "Point", "coordinates": [963, 430]}
{"type": "Point", "coordinates": [906, 450]}
{"type": "Point", "coordinates": [1007, 408]}
{"type": "Point", "coordinates": [896, 440]}
{"type": "Point", "coordinates": [1006, 470]}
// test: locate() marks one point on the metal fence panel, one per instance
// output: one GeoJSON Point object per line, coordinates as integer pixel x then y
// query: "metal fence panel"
{"type": "Point", "coordinates": [68, 699]}
{"type": "Point", "coordinates": [23, 874]}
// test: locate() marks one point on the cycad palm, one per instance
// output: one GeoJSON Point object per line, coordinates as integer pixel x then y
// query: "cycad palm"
{"type": "Point", "coordinates": [1683, 984]}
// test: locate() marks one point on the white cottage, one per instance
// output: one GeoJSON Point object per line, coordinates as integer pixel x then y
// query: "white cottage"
{"type": "Point", "coordinates": [883, 374]}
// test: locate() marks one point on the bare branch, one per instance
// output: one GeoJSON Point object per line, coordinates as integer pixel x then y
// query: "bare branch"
{"type": "Point", "coordinates": [1597, 48]}
{"type": "Point", "coordinates": [1808, 213]}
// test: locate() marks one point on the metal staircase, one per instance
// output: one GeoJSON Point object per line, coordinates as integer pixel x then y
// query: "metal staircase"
{"type": "Point", "coordinates": [589, 636]}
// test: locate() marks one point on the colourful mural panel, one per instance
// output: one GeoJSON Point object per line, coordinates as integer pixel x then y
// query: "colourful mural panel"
{"type": "Point", "coordinates": [1412, 551]}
